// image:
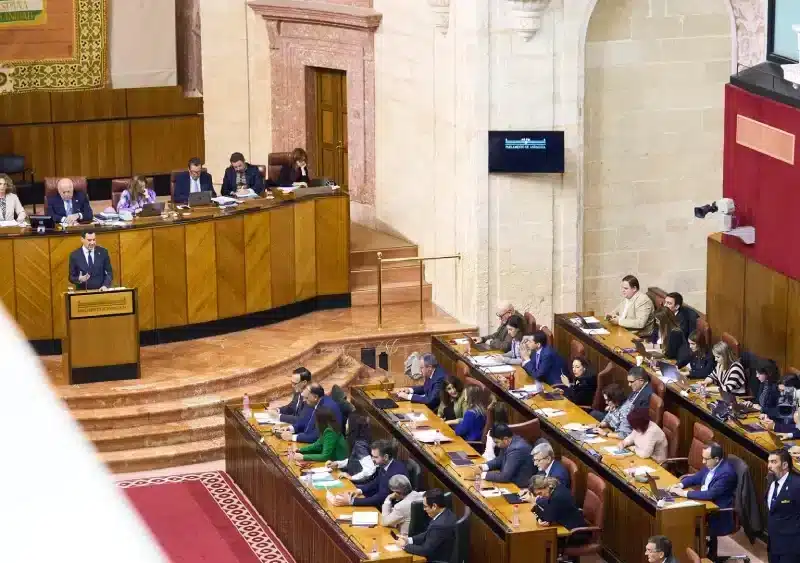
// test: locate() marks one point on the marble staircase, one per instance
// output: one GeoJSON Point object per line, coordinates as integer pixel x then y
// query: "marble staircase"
{"type": "Point", "coordinates": [400, 280]}
{"type": "Point", "coordinates": [179, 421]}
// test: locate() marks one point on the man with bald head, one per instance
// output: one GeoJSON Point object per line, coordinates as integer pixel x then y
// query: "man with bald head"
{"type": "Point", "coordinates": [69, 206]}
{"type": "Point", "coordinates": [500, 339]}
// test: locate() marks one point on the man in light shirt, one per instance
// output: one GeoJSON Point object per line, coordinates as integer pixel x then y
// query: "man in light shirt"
{"type": "Point", "coordinates": [396, 509]}
{"type": "Point", "coordinates": [717, 481]}
{"type": "Point", "coordinates": [636, 310]}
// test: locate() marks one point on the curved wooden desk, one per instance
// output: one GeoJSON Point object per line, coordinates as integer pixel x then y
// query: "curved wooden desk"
{"type": "Point", "coordinates": [204, 271]}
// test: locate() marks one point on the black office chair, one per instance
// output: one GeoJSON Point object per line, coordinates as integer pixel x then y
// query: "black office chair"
{"type": "Point", "coordinates": [461, 545]}
{"type": "Point", "coordinates": [418, 521]}
{"type": "Point", "coordinates": [414, 474]}
{"type": "Point", "coordinates": [14, 166]}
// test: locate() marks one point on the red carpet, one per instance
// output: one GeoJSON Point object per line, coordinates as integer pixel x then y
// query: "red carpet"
{"type": "Point", "coordinates": [204, 517]}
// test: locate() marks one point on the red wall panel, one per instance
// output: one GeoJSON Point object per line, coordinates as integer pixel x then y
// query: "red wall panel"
{"type": "Point", "coordinates": [766, 190]}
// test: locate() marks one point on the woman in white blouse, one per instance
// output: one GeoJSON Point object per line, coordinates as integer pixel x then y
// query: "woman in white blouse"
{"type": "Point", "coordinates": [10, 207]}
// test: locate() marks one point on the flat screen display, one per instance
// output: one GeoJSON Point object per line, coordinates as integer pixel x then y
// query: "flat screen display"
{"type": "Point", "coordinates": [529, 152]}
{"type": "Point", "coordinates": [781, 39]}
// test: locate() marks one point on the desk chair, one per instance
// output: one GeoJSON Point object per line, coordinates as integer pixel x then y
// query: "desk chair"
{"type": "Point", "coordinates": [530, 430]}
{"type": "Point", "coordinates": [703, 332]}
{"type": "Point", "coordinates": [692, 555]}
{"type": "Point", "coordinates": [79, 184]}
{"type": "Point", "coordinates": [656, 408]}
{"type": "Point", "coordinates": [414, 474]}
{"type": "Point", "coordinates": [118, 185]}
{"type": "Point", "coordinates": [462, 370]}
{"type": "Point", "coordinates": [23, 177]}
{"type": "Point", "coordinates": [548, 333]}
{"type": "Point", "coordinates": [594, 512]}
{"type": "Point", "coordinates": [172, 181]}
{"type": "Point", "coordinates": [658, 387]}
{"type": "Point", "coordinates": [461, 544]}
{"type": "Point", "coordinates": [671, 424]}
{"type": "Point", "coordinates": [576, 349]}
{"type": "Point", "coordinates": [701, 435]}
{"type": "Point", "coordinates": [275, 161]}
{"type": "Point", "coordinates": [732, 343]}
{"type": "Point", "coordinates": [418, 521]}
{"type": "Point", "coordinates": [530, 322]}
{"type": "Point", "coordinates": [603, 379]}
{"type": "Point", "coordinates": [572, 467]}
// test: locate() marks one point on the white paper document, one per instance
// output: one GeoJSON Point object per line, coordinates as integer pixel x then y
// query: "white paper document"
{"type": "Point", "coordinates": [491, 493]}
{"type": "Point", "coordinates": [430, 436]}
{"type": "Point", "coordinates": [595, 331]}
{"type": "Point", "coordinates": [641, 470]}
{"type": "Point", "coordinates": [615, 450]}
{"type": "Point", "coordinates": [266, 417]}
{"type": "Point", "coordinates": [550, 413]}
{"type": "Point", "coordinates": [575, 426]}
{"type": "Point", "coordinates": [417, 416]}
{"type": "Point", "coordinates": [486, 361]}
{"type": "Point", "coordinates": [590, 320]}
{"type": "Point", "coordinates": [460, 341]}
{"type": "Point", "coordinates": [499, 369]}
{"type": "Point", "coordinates": [223, 200]}
{"type": "Point", "coordinates": [319, 470]}
{"type": "Point", "coordinates": [365, 519]}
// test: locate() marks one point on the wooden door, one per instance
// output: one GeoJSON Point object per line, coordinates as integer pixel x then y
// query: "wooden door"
{"type": "Point", "coordinates": [331, 125]}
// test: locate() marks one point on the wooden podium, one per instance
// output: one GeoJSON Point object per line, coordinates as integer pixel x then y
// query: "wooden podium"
{"type": "Point", "coordinates": [102, 336]}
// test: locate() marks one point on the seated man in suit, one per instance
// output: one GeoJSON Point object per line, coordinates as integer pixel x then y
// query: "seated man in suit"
{"type": "Point", "coordinates": [375, 491]}
{"type": "Point", "coordinates": [427, 393]}
{"type": "Point", "coordinates": [554, 506]}
{"type": "Point", "coordinates": [639, 382]}
{"type": "Point", "coordinates": [89, 265]}
{"type": "Point", "coordinates": [687, 319]}
{"type": "Point", "coordinates": [717, 481]}
{"type": "Point", "coordinates": [297, 171]}
{"type": "Point", "coordinates": [546, 464]}
{"type": "Point", "coordinates": [659, 550]}
{"type": "Point", "coordinates": [68, 207]}
{"type": "Point", "coordinates": [305, 429]}
{"type": "Point", "coordinates": [240, 176]}
{"type": "Point", "coordinates": [289, 413]}
{"type": "Point", "coordinates": [513, 463]}
{"type": "Point", "coordinates": [542, 362]}
{"type": "Point", "coordinates": [500, 339]}
{"type": "Point", "coordinates": [636, 310]}
{"type": "Point", "coordinates": [783, 509]}
{"type": "Point", "coordinates": [438, 541]}
{"type": "Point", "coordinates": [191, 181]}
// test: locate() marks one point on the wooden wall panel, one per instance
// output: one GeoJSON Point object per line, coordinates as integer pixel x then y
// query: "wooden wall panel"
{"type": "Point", "coordinates": [281, 229]}
{"type": "Point", "coordinates": [257, 262]}
{"type": "Point", "coordinates": [32, 277]}
{"type": "Point", "coordinates": [333, 250]}
{"type": "Point", "coordinates": [305, 250]}
{"type": "Point", "coordinates": [169, 276]}
{"type": "Point", "coordinates": [37, 145]}
{"type": "Point", "coordinates": [725, 290]}
{"type": "Point", "coordinates": [104, 149]}
{"type": "Point", "coordinates": [136, 270]}
{"type": "Point", "coordinates": [60, 249]}
{"type": "Point", "coordinates": [793, 325]}
{"type": "Point", "coordinates": [231, 292]}
{"type": "Point", "coordinates": [25, 108]}
{"type": "Point", "coordinates": [7, 290]}
{"type": "Point", "coordinates": [161, 145]}
{"type": "Point", "coordinates": [88, 104]}
{"type": "Point", "coordinates": [201, 272]}
{"type": "Point", "coordinates": [766, 312]}
{"type": "Point", "coordinates": [152, 102]}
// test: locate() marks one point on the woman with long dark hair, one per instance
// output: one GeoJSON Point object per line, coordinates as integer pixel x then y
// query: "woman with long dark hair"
{"type": "Point", "coordinates": [331, 445]}
{"type": "Point", "coordinates": [359, 465]}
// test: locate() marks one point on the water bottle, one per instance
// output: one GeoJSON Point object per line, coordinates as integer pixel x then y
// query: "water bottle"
{"type": "Point", "coordinates": [375, 545]}
{"type": "Point", "coordinates": [515, 516]}
{"type": "Point", "coordinates": [246, 406]}
{"type": "Point", "coordinates": [478, 482]}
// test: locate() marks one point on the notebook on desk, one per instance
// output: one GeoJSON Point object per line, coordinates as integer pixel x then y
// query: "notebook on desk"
{"type": "Point", "coordinates": [384, 404]}
{"type": "Point", "coordinates": [459, 458]}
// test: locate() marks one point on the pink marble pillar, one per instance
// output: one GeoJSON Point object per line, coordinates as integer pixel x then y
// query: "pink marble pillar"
{"type": "Point", "coordinates": [339, 35]}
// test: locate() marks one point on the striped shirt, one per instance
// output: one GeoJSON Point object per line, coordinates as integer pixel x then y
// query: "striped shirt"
{"type": "Point", "coordinates": [733, 380]}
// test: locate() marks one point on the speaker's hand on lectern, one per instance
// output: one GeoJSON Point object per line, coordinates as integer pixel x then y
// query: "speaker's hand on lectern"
{"type": "Point", "coordinates": [83, 278]}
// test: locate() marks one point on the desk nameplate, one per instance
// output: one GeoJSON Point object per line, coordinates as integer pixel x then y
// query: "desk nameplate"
{"type": "Point", "coordinates": [101, 304]}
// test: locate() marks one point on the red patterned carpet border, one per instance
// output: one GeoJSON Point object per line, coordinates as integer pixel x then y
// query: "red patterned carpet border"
{"type": "Point", "coordinates": [263, 542]}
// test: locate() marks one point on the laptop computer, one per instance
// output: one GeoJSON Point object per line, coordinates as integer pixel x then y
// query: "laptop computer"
{"type": "Point", "coordinates": [588, 325]}
{"type": "Point", "coordinates": [151, 209]}
{"type": "Point", "coordinates": [738, 408]}
{"type": "Point", "coordinates": [671, 372]}
{"type": "Point", "coordinates": [199, 199]}
{"type": "Point", "coordinates": [643, 351]}
{"type": "Point", "coordinates": [317, 190]}
{"type": "Point", "coordinates": [659, 494]}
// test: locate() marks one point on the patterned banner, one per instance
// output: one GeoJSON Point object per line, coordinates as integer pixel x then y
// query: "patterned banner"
{"type": "Point", "coordinates": [53, 45]}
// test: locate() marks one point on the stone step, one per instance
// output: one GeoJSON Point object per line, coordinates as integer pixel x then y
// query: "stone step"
{"type": "Point", "coordinates": [173, 455]}
{"type": "Point", "coordinates": [157, 435]}
{"type": "Point", "coordinates": [139, 392]}
{"type": "Point", "coordinates": [402, 272]}
{"type": "Point", "coordinates": [369, 258]}
{"type": "Point", "coordinates": [402, 292]}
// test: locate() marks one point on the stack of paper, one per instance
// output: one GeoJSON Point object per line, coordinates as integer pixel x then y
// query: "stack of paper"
{"type": "Point", "coordinates": [416, 416]}
{"type": "Point", "coordinates": [596, 331]}
{"type": "Point", "coordinates": [486, 361]}
{"type": "Point", "coordinates": [491, 493]}
{"type": "Point", "coordinates": [499, 369]}
{"type": "Point", "coordinates": [365, 518]}
{"type": "Point", "coordinates": [223, 200]}
{"type": "Point", "coordinates": [460, 341]}
{"type": "Point", "coordinates": [264, 417]}
{"type": "Point", "coordinates": [535, 388]}
{"type": "Point", "coordinates": [575, 426]}
{"type": "Point", "coordinates": [641, 470]}
{"type": "Point", "coordinates": [550, 413]}
{"type": "Point", "coordinates": [430, 436]}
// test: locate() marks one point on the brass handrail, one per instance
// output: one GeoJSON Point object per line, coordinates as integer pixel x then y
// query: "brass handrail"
{"type": "Point", "coordinates": [421, 260]}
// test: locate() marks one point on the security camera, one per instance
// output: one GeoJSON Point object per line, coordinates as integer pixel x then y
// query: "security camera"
{"type": "Point", "coordinates": [727, 207]}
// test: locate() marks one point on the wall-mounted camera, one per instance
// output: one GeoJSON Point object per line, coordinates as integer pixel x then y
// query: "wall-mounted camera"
{"type": "Point", "coordinates": [727, 208]}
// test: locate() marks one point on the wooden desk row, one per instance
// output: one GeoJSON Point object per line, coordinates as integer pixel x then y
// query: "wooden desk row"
{"type": "Point", "coordinates": [206, 265]}
{"type": "Point", "coordinates": [631, 512]}
{"type": "Point", "coordinates": [297, 512]}
{"type": "Point", "coordinates": [753, 448]}
{"type": "Point", "coordinates": [492, 535]}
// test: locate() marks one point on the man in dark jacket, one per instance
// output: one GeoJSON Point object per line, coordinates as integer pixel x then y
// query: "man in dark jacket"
{"type": "Point", "coordinates": [554, 506]}
{"type": "Point", "coordinates": [375, 491]}
{"type": "Point", "coordinates": [305, 429]}
{"type": "Point", "coordinates": [687, 318]}
{"type": "Point", "coordinates": [240, 176]}
{"type": "Point", "coordinates": [544, 458]}
{"type": "Point", "coordinates": [428, 393]}
{"type": "Point", "coordinates": [659, 550]}
{"type": "Point", "coordinates": [783, 506]}
{"type": "Point", "coordinates": [514, 463]}
{"type": "Point", "coordinates": [289, 413]}
{"type": "Point", "coordinates": [639, 382]}
{"type": "Point", "coordinates": [500, 339]}
{"type": "Point", "coordinates": [437, 542]}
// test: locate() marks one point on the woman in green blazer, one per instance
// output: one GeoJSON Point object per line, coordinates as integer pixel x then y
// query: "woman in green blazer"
{"type": "Point", "coordinates": [331, 444]}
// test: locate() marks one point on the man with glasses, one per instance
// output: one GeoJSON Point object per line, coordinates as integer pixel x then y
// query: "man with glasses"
{"type": "Point", "coordinates": [717, 482]}
{"type": "Point", "coordinates": [544, 458]}
{"type": "Point", "coordinates": [659, 550]}
{"type": "Point", "coordinates": [375, 491]}
{"type": "Point", "coordinates": [437, 542]}
{"type": "Point", "coordinates": [290, 413]}
{"type": "Point", "coordinates": [641, 390]}
{"type": "Point", "coordinates": [500, 339]}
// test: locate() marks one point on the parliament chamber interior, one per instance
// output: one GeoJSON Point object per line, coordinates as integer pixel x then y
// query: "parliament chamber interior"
{"type": "Point", "coordinates": [455, 281]}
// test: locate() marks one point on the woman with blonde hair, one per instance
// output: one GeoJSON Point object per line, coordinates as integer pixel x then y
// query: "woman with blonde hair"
{"type": "Point", "coordinates": [729, 373]}
{"type": "Point", "coordinates": [10, 207]}
{"type": "Point", "coordinates": [471, 426]}
{"type": "Point", "coordinates": [136, 196]}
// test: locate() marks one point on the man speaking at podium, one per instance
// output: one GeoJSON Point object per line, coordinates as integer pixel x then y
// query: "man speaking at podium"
{"type": "Point", "coordinates": [89, 266]}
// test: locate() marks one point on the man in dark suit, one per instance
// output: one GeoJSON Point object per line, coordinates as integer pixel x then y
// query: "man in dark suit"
{"type": "Point", "coordinates": [240, 175]}
{"type": "Point", "coordinates": [554, 506]}
{"type": "Point", "coordinates": [783, 509]}
{"type": "Point", "coordinates": [687, 319]}
{"type": "Point", "coordinates": [659, 550]}
{"type": "Point", "coordinates": [89, 265]}
{"type": "Point", "coordinates": [427, 393]}
{"type": "Point", "coordinates": [68, 207]}
{"type": "Point", "coordinates": [305, 429]}
{"type": "Point", "coordinates": [639, 382]}
{"type": "Point", "coordinates": [544, 458]}
{"type": "Point", "coordinates": [542, 362]}
{"type": "Point", "coordinates": [290, 412]}
{"type": "Point", "coordinates": [513, 463]}
{"type": "Point", "coordinates": [438, 541]}
{"type": "Point", "coordinates": [375, 491]}
{"type": "Point", "coordinates": [192, 181]}
{"type": "Point", "coordinates": [717, 482]}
